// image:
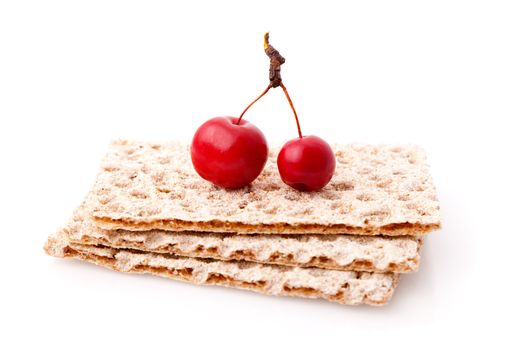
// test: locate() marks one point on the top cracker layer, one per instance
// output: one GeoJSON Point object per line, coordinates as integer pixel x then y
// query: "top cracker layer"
{"type": "Point", "coordinates": [375, 190]}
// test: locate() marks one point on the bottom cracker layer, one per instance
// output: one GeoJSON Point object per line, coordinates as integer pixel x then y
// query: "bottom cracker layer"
{"type": "Point", "coordinates": [346, 287]}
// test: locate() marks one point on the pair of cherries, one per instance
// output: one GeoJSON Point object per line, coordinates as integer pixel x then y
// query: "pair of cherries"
{"type": "Point", "coordinates": [231, 152]}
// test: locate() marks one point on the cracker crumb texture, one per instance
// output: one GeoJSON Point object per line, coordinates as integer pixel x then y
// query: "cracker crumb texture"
{"type": "Point", "coordinates": [374, 186]}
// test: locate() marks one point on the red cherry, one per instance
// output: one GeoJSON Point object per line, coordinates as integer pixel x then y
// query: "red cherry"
{"type": "Point", "coordinates": [228, 154]}
{"type": "Point", "coordinates": [306, 163]}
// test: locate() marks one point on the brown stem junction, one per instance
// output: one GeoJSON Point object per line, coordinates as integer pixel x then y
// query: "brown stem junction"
{"type": "Point", "coordinates": [276, 60]}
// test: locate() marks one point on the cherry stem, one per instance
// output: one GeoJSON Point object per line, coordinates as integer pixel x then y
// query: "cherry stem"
{"type": "Point", "coordinates": [252, 103]}
{"type": "Point", "coordinates": [276, 60]}
{"type": "Point", "coordinates": [293, 108]}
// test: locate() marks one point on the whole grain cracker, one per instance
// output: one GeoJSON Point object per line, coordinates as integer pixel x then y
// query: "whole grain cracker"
{"type": "Point", "coordinates": [375, 190]}
{"type": "Point", "coordinates": [344, 287]}
{"type": "Point", "coordinates": [338, 252]}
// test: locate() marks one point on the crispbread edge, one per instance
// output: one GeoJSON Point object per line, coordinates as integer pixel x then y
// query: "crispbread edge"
{"type": "Point", "coordinates": [407, 266]}
{"type": "Point", "coordinates": [336, 252]}
{"type": "Point", "coordinates": [119, 260]}
{"type": "Point", "coordinates": [401, 229]}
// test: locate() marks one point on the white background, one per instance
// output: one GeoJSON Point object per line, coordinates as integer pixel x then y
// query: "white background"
{"type": "Point", "coordinates": [76, 74]}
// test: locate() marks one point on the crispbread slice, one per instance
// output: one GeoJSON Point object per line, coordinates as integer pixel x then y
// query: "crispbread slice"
{"type": "Point", "coordinates": [375, 190]}
{"type": "Point", "coordinates": [338, 252]}
{"type": "Point", "coordinates": [339, 286]}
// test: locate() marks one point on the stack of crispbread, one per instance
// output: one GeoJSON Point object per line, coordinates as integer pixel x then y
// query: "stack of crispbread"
{"type": "Point", "coordinates": [149, 212]}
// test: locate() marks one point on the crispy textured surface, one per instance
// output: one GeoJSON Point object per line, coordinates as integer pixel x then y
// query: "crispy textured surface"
{"type": "Point", "coordinates": [375, 190]}
{"type": "Point", "coordinates": [339, 286]}
{"type": "Point", "coordinates": [338, 252]}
